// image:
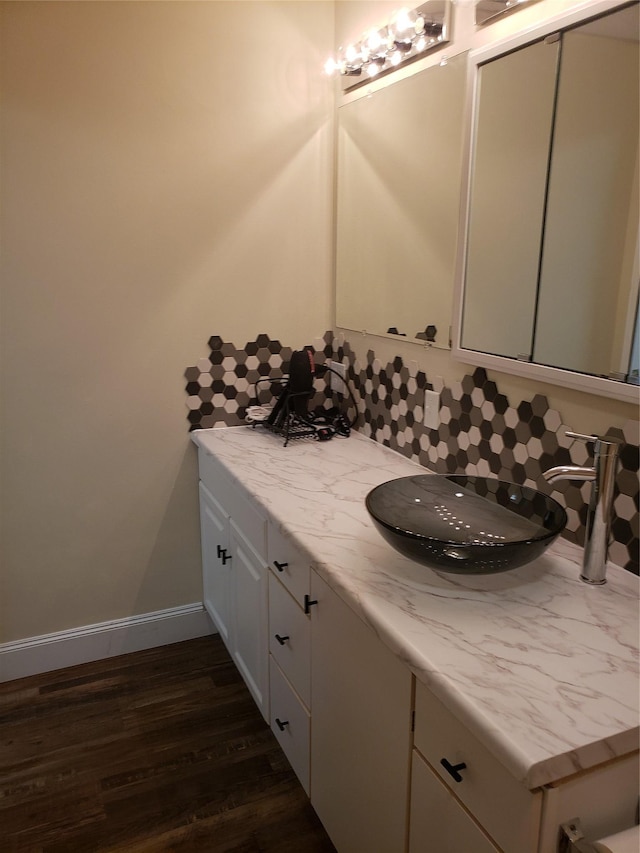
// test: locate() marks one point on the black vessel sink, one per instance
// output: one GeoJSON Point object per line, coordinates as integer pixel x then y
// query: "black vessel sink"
{"type": "Point", "coordinates": [466, 525]}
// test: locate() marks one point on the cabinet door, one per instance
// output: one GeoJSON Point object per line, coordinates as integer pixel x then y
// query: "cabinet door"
{"type": "Point", "coordinates": [250, 649]}
{"type": "Point", "coordinates": [290, 723]}
{"type": "Point", "coordinates": [438, 821]}
{"type": "Point", "coordinates": [216, 563]}
{"type": "Point", "coordinates": [290, 638]}
{"type": "Point", "coordinates": [360, 730]}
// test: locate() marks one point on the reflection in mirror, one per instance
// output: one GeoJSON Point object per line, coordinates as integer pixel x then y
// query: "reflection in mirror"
{"type": "Point", "coordinates": [408, 36]}
{"type": "Point", "coordinates": [488, 10]}
{"type": "Point", "coordinates": [511, 155]}
{"type": "Point", "coordinates": [399, 171]}
{"type": "Point", "coordinates": [591, 234]}
{"type": "Point", "coordinates": [551, 271]}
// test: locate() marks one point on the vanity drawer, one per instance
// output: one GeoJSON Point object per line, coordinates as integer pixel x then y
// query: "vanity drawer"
{"type": "Point", "coordinates": [290, 723]}
{"type": "Point", "coordinates": [289, 566]}
{"type": "Point", "coordinates": [509, 812]}
{"type": "Point", "coordinates": [437, 820]}
{"type": "Point", "coordinates": [293, 650]}
{"type": "Point", "coordinates": [233, 500]}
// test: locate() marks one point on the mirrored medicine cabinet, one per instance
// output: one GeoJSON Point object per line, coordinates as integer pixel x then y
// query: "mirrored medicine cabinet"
{"type": "Point", "coordinates": [548, 267]}
{"type": "Point", "coordinates": [399, 175]}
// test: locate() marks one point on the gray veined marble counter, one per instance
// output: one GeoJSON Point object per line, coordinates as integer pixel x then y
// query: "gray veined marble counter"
{"type": "Point", "coordinates": [541, 667]}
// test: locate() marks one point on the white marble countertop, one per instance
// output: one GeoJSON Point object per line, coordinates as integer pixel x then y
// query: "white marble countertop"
{"type": "Point", "coordinates": [540, 666]}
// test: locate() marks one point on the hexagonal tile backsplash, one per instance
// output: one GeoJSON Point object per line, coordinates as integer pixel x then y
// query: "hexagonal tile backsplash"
{"type": "Point", "coordinates": [480, 432]}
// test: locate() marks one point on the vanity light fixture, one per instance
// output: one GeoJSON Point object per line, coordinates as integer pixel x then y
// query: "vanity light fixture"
{"type": "Point", "coordinates": [408, 36]}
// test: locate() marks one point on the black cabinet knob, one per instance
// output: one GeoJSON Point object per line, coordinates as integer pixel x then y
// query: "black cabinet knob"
{"type": "Point", "coordinates": [281, 724]}
{"type": "Point", "coordinates": [308, 604]}
{"type": "Point", "coordinates": [281, 640]}
{"type": "Point", "coordinates": [222, 554]}
{"type": "Point", "coordinates": [280, 566]}
{"type": "Point", "coordinates": [453, 769]}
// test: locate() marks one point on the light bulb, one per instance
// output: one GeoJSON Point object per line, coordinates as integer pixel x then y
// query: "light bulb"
{"type": "Point", "coordinates": [330, 66]}
{"type": "Point", "coordinates": [374, 41]}
{"type": "Point", "coordinates": [407, 33]}
{"type": "Point", "coordinates": [351, 54]}
{"type": "Point", "coordinates": [402, 24]}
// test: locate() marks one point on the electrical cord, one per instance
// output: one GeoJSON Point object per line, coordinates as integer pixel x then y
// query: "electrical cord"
{"type": "Point", "coordinates": [325, 422]}
{"type": "Point", "coordinates": [321, 369]}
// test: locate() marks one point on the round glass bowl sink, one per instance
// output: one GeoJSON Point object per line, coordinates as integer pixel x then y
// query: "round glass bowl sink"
{"type": "Point", "coordinates": [466, 525]}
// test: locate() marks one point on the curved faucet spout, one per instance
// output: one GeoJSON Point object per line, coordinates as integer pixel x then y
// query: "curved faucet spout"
{"type": "Point", "coordinates": [569, 472]}
{"type": "Point", "coordinates": [598, 526]}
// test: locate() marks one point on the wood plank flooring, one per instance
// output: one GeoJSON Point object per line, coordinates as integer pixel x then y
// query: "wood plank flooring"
{"type": "Point", "coordinates": [157, 750]}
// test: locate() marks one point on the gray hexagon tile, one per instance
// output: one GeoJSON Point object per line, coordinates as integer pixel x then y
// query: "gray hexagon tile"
{"type": "Point", "coordinates": [479, 431]}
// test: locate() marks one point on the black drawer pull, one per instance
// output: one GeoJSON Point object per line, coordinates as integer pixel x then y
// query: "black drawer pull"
{"type": "Point", "coordinates": [280, 566]}
{"type": "Point", "coordinates": [282, 640]}
{"type": "Point", "coordinates": [453, 769]}
{"type": "Point", "coordinates": [308, 603]}
{"type": "Point", "coordinates": [222, 554]}
{"type": "Point", "coordinates": [281, 724]}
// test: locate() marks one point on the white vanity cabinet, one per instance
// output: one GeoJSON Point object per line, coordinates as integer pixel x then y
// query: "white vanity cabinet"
{"type": "Point", "coordinates": [288, 565]}
{"type": "Point", "coordinates": [474, 782]}
{"type": "Point", "coordinates": [438, 821]}
{"type": "Point", "coordinates": [328, 656]}
{"type": "Point", "coordinates": [249, 609]}
{"type": "Point", "coordinates": [361, 730]}
{"type": "Point", "coordinates": [234, 574]}
{"type": "Point", "coordinates": [290, 652]}
{"type": "Point", "coordinates": [463, 798]}
{"type": "Point", "coordinates": [216, 562]}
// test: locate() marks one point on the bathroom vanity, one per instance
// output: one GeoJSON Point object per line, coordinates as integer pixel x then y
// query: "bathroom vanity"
{"type": "Point", "coordinates": [420, 711]}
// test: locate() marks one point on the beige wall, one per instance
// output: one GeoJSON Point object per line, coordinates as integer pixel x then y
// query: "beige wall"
{"type": "Point", "coordinates": [166, 176]}
{"type": "Point", "coordinates": [157, 190]}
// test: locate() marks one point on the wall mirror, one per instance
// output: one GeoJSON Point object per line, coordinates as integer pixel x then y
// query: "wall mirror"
{"type": "Point", "coordinates": [399, 178]}
{"type": "Point", "coordinates": [549, 266]}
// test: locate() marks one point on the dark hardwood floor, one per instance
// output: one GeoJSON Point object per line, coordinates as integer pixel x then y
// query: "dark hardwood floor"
{"type": "Point", "coordinates": [157, 750]}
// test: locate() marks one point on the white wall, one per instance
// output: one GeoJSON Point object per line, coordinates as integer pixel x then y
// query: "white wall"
{"type": "Point", "coordinates": [166, 176]}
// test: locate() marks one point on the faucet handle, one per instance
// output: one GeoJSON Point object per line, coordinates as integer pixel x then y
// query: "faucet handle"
{"type": "Point", "coordinates": [581, 436]}
{"type": "Point", "coordinates": [608, 445]}
{"type": "Point", "coordinates": [608, 439]}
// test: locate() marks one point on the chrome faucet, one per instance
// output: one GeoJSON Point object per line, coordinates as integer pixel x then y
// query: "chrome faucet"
{"type": "Point", "coordinates": [603, 475]}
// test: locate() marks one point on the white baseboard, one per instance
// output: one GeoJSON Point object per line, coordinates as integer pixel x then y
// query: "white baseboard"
{"type": "Point", "coordinates": [103, 640]}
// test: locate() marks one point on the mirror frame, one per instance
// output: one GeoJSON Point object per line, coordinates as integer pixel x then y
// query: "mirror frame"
{"type": "Point", "coordinates": [539, 372]}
